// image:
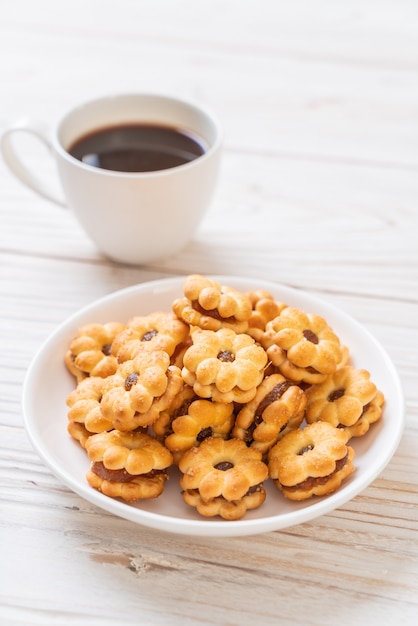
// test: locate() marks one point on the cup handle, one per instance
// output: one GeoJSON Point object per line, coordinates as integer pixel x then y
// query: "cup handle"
{"type": "Point", "coordinates": [16, 165]}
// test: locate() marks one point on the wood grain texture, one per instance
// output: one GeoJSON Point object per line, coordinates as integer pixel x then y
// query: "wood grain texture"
{"type": "Point", "coordinates": [318, 191]}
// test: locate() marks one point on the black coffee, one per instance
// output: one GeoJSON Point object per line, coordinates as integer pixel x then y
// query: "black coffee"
{"type": "Point", "coordinates": [137, 148]}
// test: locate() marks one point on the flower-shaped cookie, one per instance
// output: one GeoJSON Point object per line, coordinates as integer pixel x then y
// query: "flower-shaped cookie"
{"type": "Point", "coordinates": [156, 331]}
{"type": "Point", "coordinates": [79, 432]}
{"type": "Point", "coordinates": [264, 309]}
{"type": "Point", "coordinates": [221, 471]}
{"type": "Point", "coordinates": [302, 346]}
{"type": "Point", "coordinates": [348, 399]}
{"type": "Point", "coordinates": [224, 365]}
{"type": "Point", "coordinates": [278, 407]}
{"type": "Point", "coordinates": [372, 413]}
{"type": "Point", "coordinates": [140, 390]}
{"type": "Point", "coordinates": [85, 415]}
{"type": "Point", "coordinates": [228, 510]}
{"type": "Point", "coordinates": [178, 406]}
{"type": "Point", "coordinates": [212, 306]}
{"type": "Point", "coordinates": [129, 465]}
{"type": "Point", "coordinates": [311, 461]}
{"type": "Point", "coordinates": [200, 420]}
{"type": "Point", "coordinates": [90, 352]}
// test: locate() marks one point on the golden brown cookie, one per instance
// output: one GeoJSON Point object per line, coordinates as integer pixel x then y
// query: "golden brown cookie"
{"type": "Point", "coordinates": [84, 404]}
{"type": "Point", "coordinates": [345, 356]}
{"type": "Point", "coordinates": [348, 399]}
{"type": "Point", "coordinates": [196, 421]}
{"type": "Point", "coordinates": [277, 408]}
{"type": "Point", "coordinates": [312, 461]}
{"type": "Point", "coordinates": [179, 352]}
{"type": "Point", "coordinates": [90, 352]}
{"type": "Point", "coordinates": [78, 432]}
{"type": "Point", "coordinates": [264, 309]}
{"type": "Point", "coordinates": [211, 306]}
{"type": "Point", "coordinates": [234, 510]}
{"type": "Point", "coordinates": [223, 477]}
{"type": "Point", "coordinates": [221, 384]}
{"type": "Point", "coordinates": [178, 406]}
{"type": "Point", "coordinates": [156, 331]}
{"type": "Point", "coordinates": [140, 390]}
{"type": "Point", "coordinates": [302, 346]}
{"type": "Point", "coordinates": [372, 413]}
{"type": "Point", "coordinates": [224, 365]}
{"type": "Point", "coordinates": [127, 465]}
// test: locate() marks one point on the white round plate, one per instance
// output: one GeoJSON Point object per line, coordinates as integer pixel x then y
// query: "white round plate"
{"type": "Point", "coordinates": [45, 412]}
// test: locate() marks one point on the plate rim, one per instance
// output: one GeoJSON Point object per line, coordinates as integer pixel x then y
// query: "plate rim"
{"type": "Point", "coordinates": [209, 527]}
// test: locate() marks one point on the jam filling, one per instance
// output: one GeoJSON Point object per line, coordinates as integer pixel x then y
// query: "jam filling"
{"type": "Point", "coordinates": [214, 313]}
{"type": "Point", "coordinates": [130, 381]}
{"type": "Point", "coordinates": [248, 438]}
{"type": "Point", "coordinates": [149, 335]}
{"type": "Point", "coordinates": [334, 395]}
{"type": "Point", "coordinates": [276, 393]}
{"type": "Point", "coordinates": [254, 489]}
{"type": "Point", "coordinates": [183, 409]}
{"type": "Point", "coordinates": [204, 434]}
{"type": "Point", "coordinates": [305, 449]}
{"type": "Point", "coordinates": [364, 411]}
{"type": "Point", "coordinates": [178, 350]}
{"type": "Point", "coordinates": [224, 466]}
{"type": "Point", "coordinates": [120, 475]}
{"type": "Point", "coordinates": [107, 349]}
{"type": "Point", "coordinates": [320, 480]}
{"type": "Point", "coordinates": [310, 336]}
{"type": "Point", "coordinates": [226, 357]}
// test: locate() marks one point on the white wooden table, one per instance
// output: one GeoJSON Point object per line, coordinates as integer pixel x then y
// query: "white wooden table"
{"type": "Point", "coordinates": [318, 191]}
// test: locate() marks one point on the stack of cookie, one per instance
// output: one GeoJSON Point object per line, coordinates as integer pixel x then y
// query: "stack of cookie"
{"type": "Point", "coordinates": [233, 388]}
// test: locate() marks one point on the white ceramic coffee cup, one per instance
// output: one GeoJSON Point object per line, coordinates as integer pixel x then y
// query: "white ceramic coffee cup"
{"type": "Point", "coordinates": [135, 217]}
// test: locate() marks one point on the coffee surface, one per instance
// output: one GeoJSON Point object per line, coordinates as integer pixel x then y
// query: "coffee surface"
{"type": "Point", "coordinates": [137, 148]}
